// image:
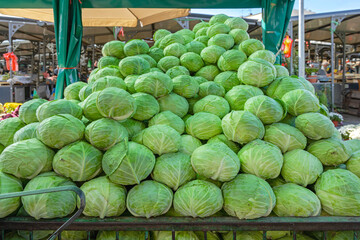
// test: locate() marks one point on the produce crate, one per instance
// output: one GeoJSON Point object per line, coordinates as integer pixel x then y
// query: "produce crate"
{"type": "Point", "coordinates": [173, 224]}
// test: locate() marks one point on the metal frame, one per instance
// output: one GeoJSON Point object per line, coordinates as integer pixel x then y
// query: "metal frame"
{"type": "Point", "coordinates": [173, 224]}
{"type": "Point", "coordinates": [62, 225]}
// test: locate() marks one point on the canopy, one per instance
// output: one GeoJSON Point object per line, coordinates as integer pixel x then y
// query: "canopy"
{"type": "Point", "coordinates": [124, 17]}
{"type": "Point", "coordinates": [276, 12]}
{"type": "Point", "coordinates": [140, 4]}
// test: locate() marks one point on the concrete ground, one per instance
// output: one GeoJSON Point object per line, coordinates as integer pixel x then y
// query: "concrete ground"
{"type": "Point", "coordinates": [350, 119]}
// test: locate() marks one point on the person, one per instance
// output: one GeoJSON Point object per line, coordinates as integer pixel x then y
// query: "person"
{"type": "Point", "coordinates": [50, 71]}
{"type": "Point", "coordinates": [348, 69]}
{"type": "Point", "coordinates": [324, 70]}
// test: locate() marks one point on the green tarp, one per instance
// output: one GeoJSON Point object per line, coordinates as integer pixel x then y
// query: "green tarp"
{"type": "Point", "coordinates": [276, 16]}
{"type": "Point", "coordinates": [68, 34]}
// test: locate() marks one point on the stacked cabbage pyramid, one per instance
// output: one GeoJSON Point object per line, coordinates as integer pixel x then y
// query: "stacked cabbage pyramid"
{"type": "Point", "coordinates": [202, 123]}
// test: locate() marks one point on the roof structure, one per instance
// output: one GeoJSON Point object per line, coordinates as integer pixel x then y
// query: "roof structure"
{"type": "Point", "coordinates": [318, 27]}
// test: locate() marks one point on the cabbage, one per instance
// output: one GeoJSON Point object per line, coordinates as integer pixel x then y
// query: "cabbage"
{"type": "Point", "coordinates": [27, 132]}
{"type": "Point", "coordinates": [242, 127]}
{"type": "Point", "coordinates": [221, 138]}
{"type": "Point", "coordinates": [339, 192]}
{"type": "Point", "coordinates": [179, 235]}
{"type": "Point", "coordinates": [106, 71]}
{"type": "Point", "coordinates": [175, 49]}
{"type": "Point", "coordinates": [248, 235]}
{"type": "Point", "coordinates": [60, 130]}
{"type": "Point", "coordinates": [281, 71]}
{"type": "Point", "coordinates": [185, 86]}
{"type": "Point", "coordinates": [237, 23]}
{"type": "Point", "coordinates": [160, 33]}
{"type": "Point", "coordinates": [239, 35]}
{"type": "Point", "coordinates": [208, 72]}
{"type": "Point", "coordinates": [156, 53]}
{"type": "Point", "coordinates": [133, 127]}
{"type": "Point", "coordinates": [108, 81]}
{"type": "Point", "coordinates": [195, 47]}
{"type": "Point", "coordinates": [149, 199]}
{"type": "Point", "coordinates": [177, 71]}
{"type": "Point", "coordinates": [150, 60]}
{"type": "Point", "coordinates": [353, 164]}
{"type": "Point", "coordinates": [78, 161]}
{"type": "Point", "coordinates": [27, 111]}
{"type": "Point", "coordinates": [217, 28]}
{"type": "Point", "coordinates": [231, 60]}
{"type": "Point", "coordinates": [171, 38]}
{"type": "Point", "coordinates": [211, 88]}
{"type": "Point", "coordinates": [257, 72]}
{"type": "Point", "coordinates": [227, 79]}
{"type": "Point", "coordinates": [192, 61]}
{"type": "Point", "coordinates": [266, 109]}
{"type": "Point", "coordinates": [123, 235]}
{"type": "Point", "coordinates": [211, 54]}
{"type": "Point", "coordinates": [146, 106]}
{"type": "Point", "coordinates": [265, 55]}
{"type": "Point", "coordinates": [107, 61]}
{"type": "Point", "coordinates": [238, 95]}
{"type": "Point", "coordinates": [128, 163]}
{"type": "Point", "coordinates": [225, 41]}
{"type": "Point", "coordinates": [198, 198]}
{"type": "Point", "coordinates": [250, 46]}
{"type": "Point", "coordinates": [174, 103]}
{"type": "Point", "coordinates": [219, 18]}
{"type": "Point", "coordinates": [280, 86]}
{"type": "Point", "coordinates": [85, 92]}
{"type": "Point", "coordinates": [90, 109]}
{"type": "Point", "coordinates": [261, 158]}
{"type": "Point", "coordinates": [248, 190]}
{"type": "Point", "coordinates": [203, 125]}
{"type": "Point", "coordinates": [284, 136]}
{"type": "Point", "coordinates": [216, 161]}
{"type": "Point", "coordinates": [170, 119]}
{"type": "Point", "coordinates": [114, 49]}
{"type": "Point", "coordinates": [295, 201]}
{"type": "Point", "coordinates": [55, 107]}
{"type": "Point", "coordinates": [103, 198]}
{"type": "Point", "coordinates": [49, 205]}
{"type": "Point", "coordinates": [331, 152]}
{"type": "Point", "coordinates": [301, 101]}
{"type": "Point", "coordinates": [189, 144]}
{"type": "Point", "coordinates": [136, 47]}
{"type": "Point", "coordinates": [203, 39]}
{"type": "Point", "coordinates": [200, 25]}
{"type": "Point", "coordinates": [186, 32]}
{"type": "Point", "coordinates": [173, 170]}
{"type": "Point", "coordinates": [212, 104]}
{"type": "Point", "coordinates": [116, 103]}
{"type": "Point", "coordinates": [301, 167]}
{"type": "Point", "coordinates": [9, 184]}
{"type": "Point", "coordinates": [105, 133]}
{"type": "Point", "coordinates": [133, 65]}
{"type": "Point", "coordinates": [160, 139]}
{"type": "Point", "coordinates": [168, 62]}
{"type": "Point", "coordinates": [315, 125]}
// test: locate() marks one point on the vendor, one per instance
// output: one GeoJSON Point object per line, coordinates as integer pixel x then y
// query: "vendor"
{"type": "Point", "coordinates": [324, 70]}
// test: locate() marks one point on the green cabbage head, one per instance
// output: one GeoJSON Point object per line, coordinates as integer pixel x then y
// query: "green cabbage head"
{"type": "Point", "coordinates": [248, 190]}
{"type": "Point", "coordinates": [103, 198]}
{"type": "Point", "coordinates": [149, 199]}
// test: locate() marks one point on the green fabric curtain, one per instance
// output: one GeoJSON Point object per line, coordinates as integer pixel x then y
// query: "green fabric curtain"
{"type": "Point", "coordinates": [68, 34]}
{"type": "Point", "coordinates": [276, 16]}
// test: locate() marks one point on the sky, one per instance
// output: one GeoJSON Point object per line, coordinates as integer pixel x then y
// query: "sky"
{"type": "Point", "coordinates": [317, 6]}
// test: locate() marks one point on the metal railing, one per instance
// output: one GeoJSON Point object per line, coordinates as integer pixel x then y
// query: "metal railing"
{"type": "Point", "coordinates": [35, 224]}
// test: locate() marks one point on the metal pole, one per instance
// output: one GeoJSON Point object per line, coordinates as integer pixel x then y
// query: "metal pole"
{"type": "Point", "coordinates": [291, 33]}
{"type": "Point", "coordinates": [93, 53]}
{"type": "Point", "coordinates": [301, 39]}
{"type": "Point", "coordinates": [44, 42]}
{"type": "Point", "coordinates": [10, 49]}
{"type": "Point", "coordinates": [344, 64]}
{"type": "Point", "coordinates": [332, 63]}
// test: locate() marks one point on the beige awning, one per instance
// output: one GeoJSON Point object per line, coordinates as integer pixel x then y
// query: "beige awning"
{"type": "Point", "coordinates": [102, 17]}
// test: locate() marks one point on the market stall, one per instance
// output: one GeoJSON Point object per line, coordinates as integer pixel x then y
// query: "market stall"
{"type": "Point", "coordinates": [201, 136]}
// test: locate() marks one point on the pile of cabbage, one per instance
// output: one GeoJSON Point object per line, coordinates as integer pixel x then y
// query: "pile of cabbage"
{"type": "Point", "coordinates": [201, 124]}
